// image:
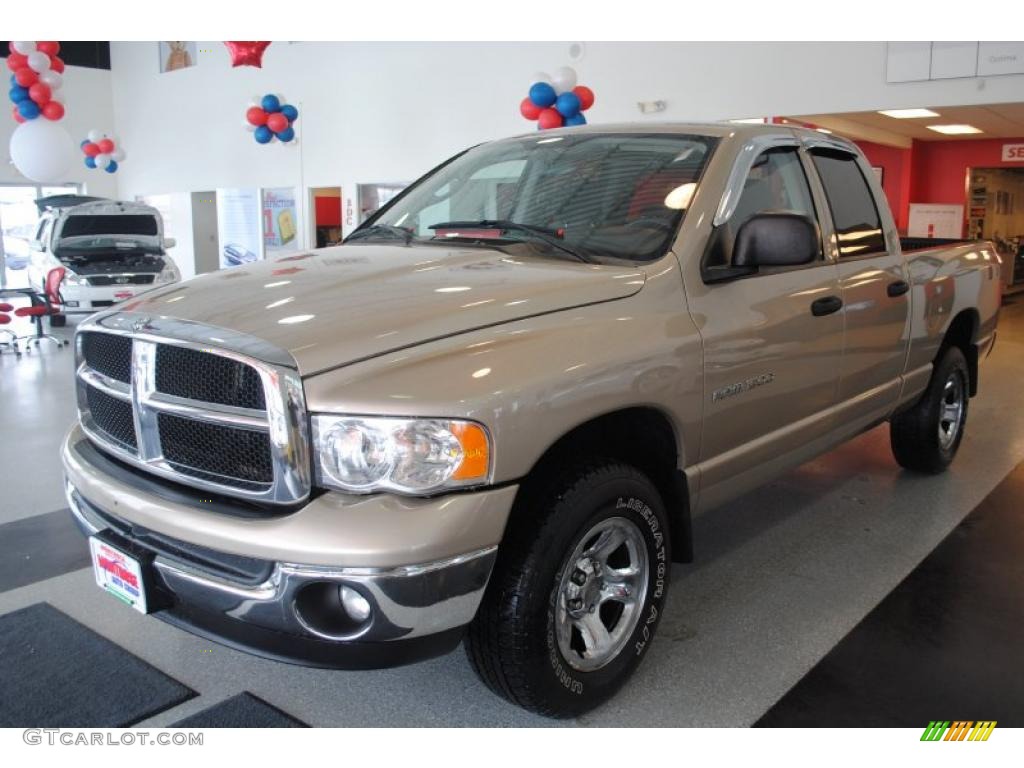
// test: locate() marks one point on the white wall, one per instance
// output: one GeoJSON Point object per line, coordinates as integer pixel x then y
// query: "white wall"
{"type": "Point", "coordinates": [389, 112]}
{"type": "Point", "coordinates": [89, 104]}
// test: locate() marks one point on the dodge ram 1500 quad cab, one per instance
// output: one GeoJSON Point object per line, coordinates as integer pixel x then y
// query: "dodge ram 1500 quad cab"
{"type": "Point", "coordinates": [490, 415]}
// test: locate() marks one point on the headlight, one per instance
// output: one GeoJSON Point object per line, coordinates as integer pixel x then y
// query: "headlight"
{"type": "Point", "coordinates": [169, 274]}
{"type": "Point", "coordinates": [72, 279]}
{"type": "Point", "coordinates": [411, 456]}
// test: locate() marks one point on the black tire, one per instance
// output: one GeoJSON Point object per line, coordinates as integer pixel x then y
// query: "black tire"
{"type": "Point", "coordinates": [514, 644]}
{"type": "Point", "coordinates": [58, 321]}
{"type": "Point", "coordinates": [917, 434]}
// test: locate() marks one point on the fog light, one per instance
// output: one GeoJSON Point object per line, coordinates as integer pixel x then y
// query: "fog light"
{"type": "Point", "coordinates": [356, 606]}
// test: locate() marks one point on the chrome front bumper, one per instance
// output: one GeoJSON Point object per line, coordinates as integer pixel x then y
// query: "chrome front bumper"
{"type": "Point", "coordinates": [282, 609]}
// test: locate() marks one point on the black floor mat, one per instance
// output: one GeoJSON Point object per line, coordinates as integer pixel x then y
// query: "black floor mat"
{"type": "Point", "coordinates": [55, 672]}
{"type": "Point", "coordinates": [40, 547]}
{"type": "Point", "coordinates": [241, 711]}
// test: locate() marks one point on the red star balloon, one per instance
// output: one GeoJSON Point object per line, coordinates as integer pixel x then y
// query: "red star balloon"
{"type": "Point", "coordinates": [247, 53]}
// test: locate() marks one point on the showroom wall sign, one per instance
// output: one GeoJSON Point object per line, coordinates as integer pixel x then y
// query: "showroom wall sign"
{"type": "Point", "coordinates": [557, 101]}
{"type": "Point", "coordinates": [1013, 153]}
{"type": "Point", "coordinates": [41, 150]}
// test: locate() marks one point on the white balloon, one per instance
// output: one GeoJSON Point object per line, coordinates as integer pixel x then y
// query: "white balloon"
{"type": "Point", "coordinates": [42, 150]}
{"type": "Point", "coordinates": [24, 47]}
{"type": "Point", "coordinates": [541, 77]}
{"type": "Point", "coordinates": [52, 79]}
{"type": "Point", "coordinates": [118, 154]}
{"type": "Point", "coordinates": [38, 61]}
{"type": "Point", "coordinates": [94, 136]}
{"type": "Point", "coordinates": [102, 160]}
{"type": "Point", "coordinates": [564, 79]}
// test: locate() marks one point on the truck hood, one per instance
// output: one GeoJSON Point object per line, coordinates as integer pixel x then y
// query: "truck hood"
{"type": "Point", "coordinates": [352, 302]}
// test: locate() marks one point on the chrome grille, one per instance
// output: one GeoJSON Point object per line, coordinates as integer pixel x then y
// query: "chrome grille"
{"type": "Point", "coordinates": [154, 394]}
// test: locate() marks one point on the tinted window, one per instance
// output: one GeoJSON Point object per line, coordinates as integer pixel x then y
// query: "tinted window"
{"type": "Point", "coordinates": [776, 182]}
{"type": "Point", "coordinates": [615, 195]}
{"type": "Point", "coordinates": [854, 214]}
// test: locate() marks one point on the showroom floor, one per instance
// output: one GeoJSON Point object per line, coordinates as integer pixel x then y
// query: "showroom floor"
{"type": "Point", "coordinates": [796, 605]}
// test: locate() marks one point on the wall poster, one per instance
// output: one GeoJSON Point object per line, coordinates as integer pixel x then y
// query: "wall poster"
{"type": "Point", "coordinates": [238, 226]}
{"type": "Point", "coordinates": [280, 221]}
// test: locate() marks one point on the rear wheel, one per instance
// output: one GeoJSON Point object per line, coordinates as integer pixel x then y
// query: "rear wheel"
{"type": "Point", "coordinates": [577, 591]}
{"type": "Point", "coordinates": [926, 437]}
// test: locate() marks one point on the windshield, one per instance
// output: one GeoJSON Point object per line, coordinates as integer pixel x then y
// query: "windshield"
{"type": "Point", "coordinates": [588, 195]}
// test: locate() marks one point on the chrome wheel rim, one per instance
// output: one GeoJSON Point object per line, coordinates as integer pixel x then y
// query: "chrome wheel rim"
{"type": "Point", "coordinates": [951, 413]}
{"type": "Point", "coordinates": [601, 593]}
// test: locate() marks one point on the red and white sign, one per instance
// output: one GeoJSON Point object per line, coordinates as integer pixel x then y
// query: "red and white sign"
{"type": "Point", "coordinates": [1013, 153]}
{"type": "Point", "coordinates": [118, 574]}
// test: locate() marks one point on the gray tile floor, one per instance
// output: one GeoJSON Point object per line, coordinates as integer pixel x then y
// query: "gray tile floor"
{"type": "Point", "coordinates": [781, 575]}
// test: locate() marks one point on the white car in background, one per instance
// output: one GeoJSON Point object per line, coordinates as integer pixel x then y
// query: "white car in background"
{"type": "Point", "coordinates": [112, 251]}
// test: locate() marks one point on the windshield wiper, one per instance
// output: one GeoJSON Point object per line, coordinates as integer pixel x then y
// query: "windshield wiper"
{"type": "Point", "coordinates": [552, 237]}
{"type": "Point", "coordinates": [381, 229]}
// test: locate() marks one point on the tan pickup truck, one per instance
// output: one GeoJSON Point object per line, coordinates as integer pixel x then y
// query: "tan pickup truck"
{"type": "Point", "coordinates": [491, 414]}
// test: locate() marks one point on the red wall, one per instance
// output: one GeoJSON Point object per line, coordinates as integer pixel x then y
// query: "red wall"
{"type": "Point", "coordinates": [932, 171]}
{"type": "Point", "coordinates": [328, 211]}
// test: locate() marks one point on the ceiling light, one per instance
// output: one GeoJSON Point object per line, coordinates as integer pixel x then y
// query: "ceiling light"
{"type": "Point", "coordinates": [295, 319]}
{"type": "Point", "coordinates": [954, 129]}
{"type": "Point", "coordinates": [904, 114]}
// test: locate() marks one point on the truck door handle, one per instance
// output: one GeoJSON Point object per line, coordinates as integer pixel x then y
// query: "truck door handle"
{"type": "Point", "coordinates": [826, 306]}
{"type": "Point", "coordinates": [897, 288]}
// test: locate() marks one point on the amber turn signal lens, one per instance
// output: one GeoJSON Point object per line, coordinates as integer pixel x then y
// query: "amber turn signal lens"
{"type": "Point", "coordinates": [475, 451]}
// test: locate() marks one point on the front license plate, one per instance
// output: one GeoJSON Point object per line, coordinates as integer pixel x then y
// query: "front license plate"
{"type": "Point", "coordinates": [118, 573]}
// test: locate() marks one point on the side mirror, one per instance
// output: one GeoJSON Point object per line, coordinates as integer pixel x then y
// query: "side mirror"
{"type": "Point", "coordinates": [35, 245]}
{"type": "Point", "coordinates": [169, 242]}
{"type": "Point", "coordinates": [776, 240]}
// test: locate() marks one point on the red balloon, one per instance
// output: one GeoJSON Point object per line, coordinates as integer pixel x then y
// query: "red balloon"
{"type": "Point", "coordinates": [40, 93]}
{"type": "Point", "coordinates": [16, 61]}
{"type": "Point", "coordinates": [91, 149]}
{"type": "Point", "coordinates": [585, 95]}
{"type": "Point", "coordinates": [549, 118]}
{"type": "Point", "coordinates": [49, 47]}
{"type": "Point", "coordinates": [247, 53]}
{"type": "Point", "coordinates": [54, 110]}
{"type": "Point", "coordinates": [528, 109]}
{"type": "Point", "coordinates": [256, 116]}
{"type": "Point", "coordinates": [17, 115]}
{"type": "Point", "coordinates": [106, 146]}
{"type": "Point", "coordinates": [56, 63]}
{"type": "Point", "coordinates": [277, 122]}
{"type": "Point", "coordinates": [25, 77]}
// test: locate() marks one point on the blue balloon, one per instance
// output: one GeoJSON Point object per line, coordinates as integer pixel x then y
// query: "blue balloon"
{"type": "Point", "coordinates": [17, 93]}
{"type": "Point", "coordinates": [111, 166]}
{"type": "Point", "coordinates": [568, 104]}
{"type": "Point", "coordinates": [287, 134]}
{"type": "Point", "coordinates": [90, 162]}
{"type": "Point", "coordinates": [14, 81]}
{"type": "Point", "coordinates": [290, 112]}
{"type": "Point", "coordinates": [542, 94]}
{"type": "Point", "coordinates": [262, 135]}
{"type": "Point", "coordinates": [270, 103]}
{"type": "Point", "coordinates": [577, 119]}
{"type": "Point", "coordinates": [28, 109]}
{"type": "Point", "coordinates": [84, 142]}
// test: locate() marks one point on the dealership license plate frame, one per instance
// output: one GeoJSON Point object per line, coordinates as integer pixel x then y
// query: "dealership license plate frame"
{"type": "Point", "coordinates": [114, 567]}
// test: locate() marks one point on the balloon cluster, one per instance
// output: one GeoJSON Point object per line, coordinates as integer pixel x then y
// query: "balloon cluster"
{"type": "Point", "coordinates": [269, 118]}
{"type": "Point", "coordinates": [36, 80]}
{"type": "Point", "coordinates": [101, 151]}
{"type": "Point", "coordinates": [557, 100]}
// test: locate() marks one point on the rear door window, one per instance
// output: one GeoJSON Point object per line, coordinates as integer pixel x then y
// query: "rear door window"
{"type": "Point", "coordinates": [854, 214]}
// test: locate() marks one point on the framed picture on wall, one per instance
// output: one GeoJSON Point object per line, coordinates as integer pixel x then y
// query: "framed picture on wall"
{"type": "Point", "coordinates": [176, 54]}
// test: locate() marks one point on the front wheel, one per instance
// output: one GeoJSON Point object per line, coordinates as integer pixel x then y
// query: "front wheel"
{"type": "Point", "coordinates": [926, 437]}
{"type": "Point", "coordinates": [577, 591]}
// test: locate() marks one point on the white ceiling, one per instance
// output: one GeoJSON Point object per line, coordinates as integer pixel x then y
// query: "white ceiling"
{"type": "Point", "coordinates": [996, 121]}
